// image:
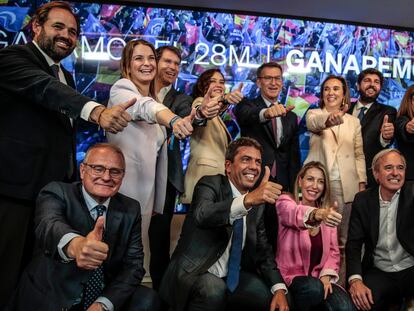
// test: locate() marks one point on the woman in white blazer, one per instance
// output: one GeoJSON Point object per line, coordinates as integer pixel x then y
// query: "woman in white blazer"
{"type": "Point", "coordinates": [336, 142]}
{"type": "Point", "coordinates": [144, 140]}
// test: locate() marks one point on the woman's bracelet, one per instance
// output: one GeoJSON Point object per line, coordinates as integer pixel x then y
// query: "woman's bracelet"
{"type": "Point", "coordinates": [173, 120]}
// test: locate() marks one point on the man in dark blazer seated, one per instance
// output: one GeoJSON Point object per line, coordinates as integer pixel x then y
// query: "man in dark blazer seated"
{"type": "Point", "coordinates": [87, 234]}
{"type": "Point", "coordinates": [37, 141]}
{"type": "Point", "coordinates": [377, 120]}
{"type": "Point", "coordinates": [276, 129]}
{"type": "Point", "coordinates": [382, 220]}
{"type": "Point", "coordinates": [223, 257]}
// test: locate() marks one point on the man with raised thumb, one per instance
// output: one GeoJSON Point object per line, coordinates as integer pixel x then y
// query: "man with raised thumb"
{"type": "Point", "coordinates": [89, 251]}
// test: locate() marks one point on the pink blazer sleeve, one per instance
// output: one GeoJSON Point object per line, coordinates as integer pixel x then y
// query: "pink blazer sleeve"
{"type": "Point", "coordinates": [331, 265]}
{"type": "Point", "coordinates": [290, 213]}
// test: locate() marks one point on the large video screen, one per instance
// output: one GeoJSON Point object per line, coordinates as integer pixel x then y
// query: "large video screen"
{"type": "Point", "coordinates": [237, 44]}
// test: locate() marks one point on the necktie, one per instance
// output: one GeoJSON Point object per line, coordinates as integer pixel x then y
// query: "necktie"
{"type": "Point", "coordinates": [274, 127]}
{"type": "Point", "coordinates": [235, 255]}
{"type": "Point", "coordinates": [95, 284]}
{"type": "Point", "coordinates": [361, 113]}
{"type": "Point", "coordinates": [55, 69]}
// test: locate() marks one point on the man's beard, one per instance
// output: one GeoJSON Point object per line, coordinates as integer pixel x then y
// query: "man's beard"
{"type": "Point", "coordinates": [368, 99]}
{"type": "Point", "coordinates": [48, 45]}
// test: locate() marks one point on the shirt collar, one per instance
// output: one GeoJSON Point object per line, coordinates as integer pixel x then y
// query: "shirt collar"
{"type": "Point", "coordinates": [164, 91]}
{"type": "Point", "coordinates": [268, 102]}
{"type": "Point", "coordinates": [47, 57]}
{"type": "Point", "coordinates": [359, 105]}
{"type": "Point", "coordinates": [91, 202]}
{"type": "Point", "coordinates": [236, 193]}
{"type": "Point", "coordinates": [384, 203]}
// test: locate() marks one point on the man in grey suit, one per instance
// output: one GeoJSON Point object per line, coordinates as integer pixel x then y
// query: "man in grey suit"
{"type": "Point", "coordinates": [223, 257]}
{"type": "Point", "coordinates": [89, 254]}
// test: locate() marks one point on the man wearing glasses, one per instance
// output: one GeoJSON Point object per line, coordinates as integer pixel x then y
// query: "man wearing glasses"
{"type": "Point", "coordinates": [89, 252]}
{"type": "Point", "coordinates": [276, 129]}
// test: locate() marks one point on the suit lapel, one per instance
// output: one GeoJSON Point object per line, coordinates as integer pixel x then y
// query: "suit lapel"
{"type": "Point", "coordinates": [374, 211]}
{"type": "Point", "coordinates": [113, 221]}
{"type": "Point", "coordinates": [371, 113]}
{"type": "Point", "coordinates": [169, 98]}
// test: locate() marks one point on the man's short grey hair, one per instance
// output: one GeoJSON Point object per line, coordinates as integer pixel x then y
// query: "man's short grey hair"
{"type": "Point", "coordinates": [381, 154]}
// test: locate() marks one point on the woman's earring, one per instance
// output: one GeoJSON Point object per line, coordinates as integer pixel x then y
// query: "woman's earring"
{"type": "Point", "coordinates": [300, 193]}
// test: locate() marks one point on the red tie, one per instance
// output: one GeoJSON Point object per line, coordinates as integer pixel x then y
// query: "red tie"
{"type": "Point", "coordinates": [274, 127]}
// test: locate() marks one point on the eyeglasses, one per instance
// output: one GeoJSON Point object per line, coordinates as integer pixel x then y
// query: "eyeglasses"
{"type": "Point", "coordinates": [270, 78]}
{"type": "Point", "coordinates": [99, 170]}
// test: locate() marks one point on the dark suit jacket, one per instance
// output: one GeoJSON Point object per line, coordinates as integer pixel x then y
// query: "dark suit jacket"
{"type": "Point", "coordinates": [205, 236]}
{"type": "Point", "coordinates": [364, 227]}
{"type": "Point", "coordinates": [371, 129]}
{"type": "Point", "coordinates": [48, 283]}
{"type": "Point", "coordinates": [405, 142]}
{"type": "Point", "coordinates": [286, 154]}
{"type": "Point", "coordinates": [36, 137]}
{"type": "Point", "coordinates": [180, 104]}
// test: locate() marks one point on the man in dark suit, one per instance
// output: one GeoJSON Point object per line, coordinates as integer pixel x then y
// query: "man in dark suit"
{"type": "Point", "coordinates": [276, 129]}
{"type": "Point", "coordinates": [37, 141]}
{"type": "Point", "coordinates": [168, 61]}
{"type": "Point", "coordinates": [223, 256]}
{"type": "Point", "coordinates": [85, 231]}
{"type": "Point", "coordinates": [376, 119]}
{"type": "Point", "coordinates": [382, 221]}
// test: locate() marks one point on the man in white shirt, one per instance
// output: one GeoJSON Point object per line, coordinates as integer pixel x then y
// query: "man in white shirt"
{"type": "Point", "coordinates": [377, 120]}
{"type": "Point", "coordinates": [223, 256]}
{"type": "Point", "coordinates": [382, 220]}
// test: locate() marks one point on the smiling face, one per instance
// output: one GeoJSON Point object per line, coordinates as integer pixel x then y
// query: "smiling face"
{"type": "Point", "coordinates": [389, 172]}
{"type": "Point", "coordinates": [105, 186]}
{"type": "Point", "coordinates": [312, 185]}
{"type": "Point", "coordinates": [333, 95]}
{"type": "Point", "coordinates": [57, 36]}
{"type": "Point", "coordinates": [245, 169]}
{"type": "Point", "coordinates": [168, 68]}
{"type": "Point", "coordinates": [143, 65]}
{"type": "Point", "coordinates": [369, 88]}
{"type": "Point", "coordinates": [217, 83]}
{"type": "Point", "coordinates": [270, 83]}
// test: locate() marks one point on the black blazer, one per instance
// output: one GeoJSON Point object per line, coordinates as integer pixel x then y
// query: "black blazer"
{"type": "Point", "coordinates": [180, 104]}
{"type": "Point", "coordinates": [48, 283]}
{"type": "Point", "coordinates": [405, 143]}
{"type": "Point", "coordinates": [364, 227]}
{"type": "Point", "coordinates": [371, 129]}
{"type": "Point", "coordinates": [286, 154]}
{"type": "Point", "coordinates": [36, 137]}
{"type": "Point", "coordinates": [205, 236]}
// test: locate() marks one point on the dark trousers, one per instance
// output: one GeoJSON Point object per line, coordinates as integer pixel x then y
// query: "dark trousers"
{"type": "Point", "coordinates": [143, 299]}
{"type": "Point", "coordinates": [209, 293]}
{"type": "Point", "coordinates": [389, 287]}
{"type": "Point", "coordinates": [159, 238]}
{"type": "Point", "coordinates": [16, 243]}
{"type": "Point", "coordinates": [307, 293]}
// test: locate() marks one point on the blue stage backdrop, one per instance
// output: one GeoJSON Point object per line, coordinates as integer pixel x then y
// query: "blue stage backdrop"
{"type": "Point", "coordinates": [308, 50]}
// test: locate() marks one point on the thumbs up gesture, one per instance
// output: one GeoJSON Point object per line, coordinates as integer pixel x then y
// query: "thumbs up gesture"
{"type": "Point", "coordinates": [235, 96]}
{"type": "Point", "coordinates": [267, 192]}
{"type": "Point", "coordinates": [329, 216]}
{"type": "Point", "coordinates": [183, 127]}
{"type": "Point", "coordinates": [410, 126]}
{"type": "Point", "coordinates": [89, 252]}
{"type": "Point", "coordinates": [387, 129]}
{"type": "Point", "coordinates": [337, 118]}
{"type": "Point", "coordinates": [210, 107]}
{"type": "Point", "coordinates": [113, 119]}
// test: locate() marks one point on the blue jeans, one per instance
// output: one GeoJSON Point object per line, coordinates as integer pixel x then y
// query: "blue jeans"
{"type": "Point", "coordinates": [307, 294]}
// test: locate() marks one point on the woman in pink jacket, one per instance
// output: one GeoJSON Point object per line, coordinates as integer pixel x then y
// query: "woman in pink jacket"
{"type": "Point", "coordinates": [307, 251]}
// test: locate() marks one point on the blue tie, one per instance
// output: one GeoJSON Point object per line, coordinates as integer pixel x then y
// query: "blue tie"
{"type": "Point", "coordinates": [235, 255]}
{"type": "Point", "coordinates": [95, 284]}
{"type": "Point", "coordinates": [361, 113]}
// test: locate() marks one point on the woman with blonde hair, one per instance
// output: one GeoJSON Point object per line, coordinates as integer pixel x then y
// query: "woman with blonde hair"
{"type": "Point", "coordinates": [307, 250]}
{"type": "Point", "coordinates": [336, 142]}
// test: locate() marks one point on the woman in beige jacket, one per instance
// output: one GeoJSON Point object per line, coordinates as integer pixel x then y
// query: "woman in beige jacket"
{"type": "Point", "coordinates": [208, 144]}
{"type": "Point", "coordinates": [336, 142]}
